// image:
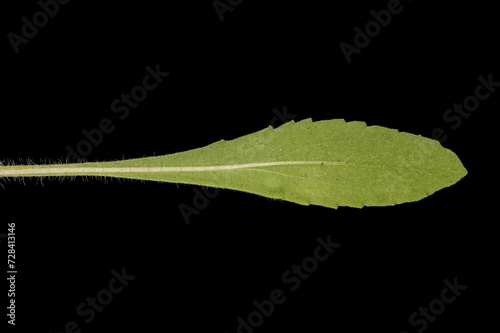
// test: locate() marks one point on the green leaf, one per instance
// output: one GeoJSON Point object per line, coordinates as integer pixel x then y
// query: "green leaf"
{"type": "Point", "coordinates": [328, 163]}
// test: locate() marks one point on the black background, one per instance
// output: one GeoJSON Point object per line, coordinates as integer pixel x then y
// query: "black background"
{"type": "Point", "coordinates": [226, 77]}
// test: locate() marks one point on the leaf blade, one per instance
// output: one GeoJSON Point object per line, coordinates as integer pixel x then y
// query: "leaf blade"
{"type": "Point", "coordinates": [354, 164]}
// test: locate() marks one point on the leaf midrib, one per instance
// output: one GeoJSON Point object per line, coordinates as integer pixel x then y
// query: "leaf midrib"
{"type": "Point", "coordinates": [85, 170]}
